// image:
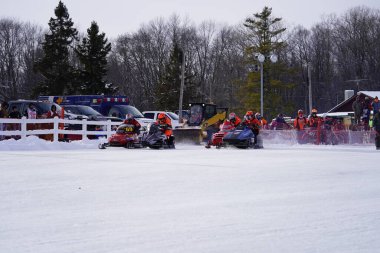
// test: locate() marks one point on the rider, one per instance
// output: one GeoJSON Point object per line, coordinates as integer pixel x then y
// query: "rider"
{"type": "Point", "coordinates": [234, 119]}
{"type": "Point", "coordinates": [262, 122]}
{"type": "Point", "coordinates": [251, 122]}
{"type": "Point", "coordinates": [165, 125]}
{"type": "Point", "coordinates": [313, 120]}
{"type": "Point", "coordinates": [130, 120]}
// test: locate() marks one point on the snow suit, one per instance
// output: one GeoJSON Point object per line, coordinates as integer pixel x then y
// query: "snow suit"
{"type": "Point", "coordinates": [135, 123]}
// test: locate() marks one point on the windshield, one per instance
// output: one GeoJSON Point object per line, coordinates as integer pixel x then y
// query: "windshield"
{"type": "Point", "coordinates": [82, 110]}
{"type": "Point", "coordinates": [127, 109]}
{"type": "Point", "coordinates": [173, 115]}
{"type": "Point", "coordinates": [44, 107]}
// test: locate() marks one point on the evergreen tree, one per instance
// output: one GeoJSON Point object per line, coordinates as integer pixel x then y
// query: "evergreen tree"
{"type": "Point", "coordinates": [265, 31]}
{"type": "Point", "coordinates": [92, 54]}
{"type": "Point", "coordinates": [168, 89]}
{"type": "Point", "coordinates": [58, 74]}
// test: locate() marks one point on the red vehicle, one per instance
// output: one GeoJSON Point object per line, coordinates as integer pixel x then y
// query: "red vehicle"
{"type": "Point", "coordinates": [125, 136]}
{"type": "Point", "coordinates": [217, 138]}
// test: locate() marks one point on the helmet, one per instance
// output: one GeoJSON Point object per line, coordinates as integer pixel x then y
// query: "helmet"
{"type": "Point", "coordinates": [314, 110]}
{"type": "Point", "coordinates": [258, 116]}
{"type": "Point", "coordinates": [161, 116]}
{"type": "Point", "coordinates": [300, 112]}
{"type": "Point", "coordinates": [129, 116]}
{"type": "Point", "coordinates": [248, 115]}
{"type": "Point", "coordinates": [231, 116]}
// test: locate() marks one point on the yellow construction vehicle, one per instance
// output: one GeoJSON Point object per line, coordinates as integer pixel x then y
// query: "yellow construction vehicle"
{"type": "Point", "coordinates": [202, 116]}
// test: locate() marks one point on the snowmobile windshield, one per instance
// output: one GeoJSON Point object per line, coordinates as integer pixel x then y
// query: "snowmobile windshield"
{"type": "Point", "coordinates": [125, 128]}
{"type": "Point", "coordinates": [127, 109]}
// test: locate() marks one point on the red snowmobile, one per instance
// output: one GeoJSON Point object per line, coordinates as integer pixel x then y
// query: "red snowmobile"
{"type": "Point", "coordinates": [217, 138]}
{"type": "Point", "coordinates": [125, 136]}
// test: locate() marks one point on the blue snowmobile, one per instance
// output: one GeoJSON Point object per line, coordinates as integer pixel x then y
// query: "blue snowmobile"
{"type": "Point", "coordinates": [243, 137]}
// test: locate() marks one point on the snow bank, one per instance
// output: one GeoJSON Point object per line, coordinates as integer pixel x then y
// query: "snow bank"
{"type": "Point", "coordinates": [35, 143]}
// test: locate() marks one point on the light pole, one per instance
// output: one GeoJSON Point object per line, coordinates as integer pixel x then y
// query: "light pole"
{"type": "Point", "coordinates": [261, 58]}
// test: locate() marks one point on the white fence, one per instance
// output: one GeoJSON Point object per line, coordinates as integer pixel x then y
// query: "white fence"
{"type": "Point", "coordinates": [53, 127]}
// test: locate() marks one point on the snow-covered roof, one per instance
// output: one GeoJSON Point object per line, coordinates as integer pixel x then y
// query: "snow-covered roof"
{"type": "Point", "coordinates": [371, 94]}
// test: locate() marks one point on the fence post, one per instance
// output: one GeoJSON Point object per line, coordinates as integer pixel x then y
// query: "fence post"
{"type": "Point", "coordinates": [23, 127]}
{"type": "Point", "coordinates": [84, 129]}
{"type": "Point", "coordinates": [55, 129]}
{"type": "Point", "coordinates": [109, 127]}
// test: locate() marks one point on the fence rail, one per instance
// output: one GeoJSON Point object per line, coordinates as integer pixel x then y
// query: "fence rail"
{"type": "Point", "coordinates": [24, 127]}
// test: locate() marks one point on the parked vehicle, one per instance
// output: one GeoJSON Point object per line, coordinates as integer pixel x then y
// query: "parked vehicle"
{"type": "Point", "coordinates": [100, 103]}
{"type": "Point", "coordinates": [88, 111]}
{"type": "Point", "coordinates": [173, 117]}
{"type": "Point", "coordinates": [42, 108]}
{"type": "Point", "coordinates": [121, 111]}
{"type": "Point", "coordinates": [185, 114]}
{"type": "Point", "coordinates": [110, 106]}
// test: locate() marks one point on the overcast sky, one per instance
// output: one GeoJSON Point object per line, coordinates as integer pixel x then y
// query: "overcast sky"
{"type": "Point", "coordinates": [116, 17]}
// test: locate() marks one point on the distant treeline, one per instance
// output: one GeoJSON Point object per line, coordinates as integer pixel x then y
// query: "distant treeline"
{"type": "Point", "coordinates": [219, 62]}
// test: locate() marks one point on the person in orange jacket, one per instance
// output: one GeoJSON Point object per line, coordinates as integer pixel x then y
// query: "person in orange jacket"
{"type": "Point", "coordinates": [234, 119]}
{"type": "Point", "coordinates": [165, 124]}
{"type": "Point", "coordinates": [251, 122]}
{"type": "Point", "coordinates": [300, 122]}
{"type": "Point", "coordinates": [314, 119]}
{"type": "Point", "coordinates": [263, 123]}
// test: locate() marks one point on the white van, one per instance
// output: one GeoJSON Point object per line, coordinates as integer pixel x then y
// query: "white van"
{"type": "Point", "coordinates": [154, 114]}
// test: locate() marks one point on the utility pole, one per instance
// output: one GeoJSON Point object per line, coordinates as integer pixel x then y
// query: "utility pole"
{"type": "Point", "coordinates": [310, 89]}
{"type": "Point", "coordinates": [182, 87]}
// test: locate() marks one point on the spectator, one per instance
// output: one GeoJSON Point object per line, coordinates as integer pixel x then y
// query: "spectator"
{"type": "Point", "coordinates": [314, 119]}
{"type": "Point", "coordinates": [300, 122]}
{"type": "Point", "coordinates": [15, 114]}
{"type": "Point", "coordinates": [366, 112]}
{"type": "Point", "coordinates": [376, 126]}
{"type": "Point", "coordinates": [375, 105]}
{"type": "Point", "coordinates": [52, 113]}
{"type": "Point", "coordinates": [357, 107]}
{"type": "Point", "coordinates": [3, 114]}
{"type": "Point", "coordinates": [279, 123]}
{"type": "Point", "coordinates": [31, 111]}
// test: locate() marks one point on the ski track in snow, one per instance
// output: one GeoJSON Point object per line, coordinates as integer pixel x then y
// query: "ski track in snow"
{"type": "Point", "coordinates": [299, 198]}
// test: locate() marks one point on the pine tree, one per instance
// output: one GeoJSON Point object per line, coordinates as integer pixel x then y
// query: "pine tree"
{"type": "Point", "coordinates": [168, 89]}
{"type": "Point", "coordinates": [265, 31]}
{"type": "Point", "coordinates": [92, 54]}
{"type": "Point", "coordinates": [58, 74]}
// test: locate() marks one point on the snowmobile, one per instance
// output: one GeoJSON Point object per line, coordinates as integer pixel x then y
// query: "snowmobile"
{"type": "Point", "coordinates": [156, 139]}
{"type": "Point", "coordinates": [125, 136]}
{"type": "Point", "coordinates": [217, 138]}
{"type": "Point", "coordinates": [243, 137]}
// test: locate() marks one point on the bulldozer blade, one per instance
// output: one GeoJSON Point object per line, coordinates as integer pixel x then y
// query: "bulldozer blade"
{"type": "Point", "coordinates": [188, 135]}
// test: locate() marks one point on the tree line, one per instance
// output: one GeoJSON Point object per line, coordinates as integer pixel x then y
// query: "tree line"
{"type": "Point", "coordinates": [220, 61]}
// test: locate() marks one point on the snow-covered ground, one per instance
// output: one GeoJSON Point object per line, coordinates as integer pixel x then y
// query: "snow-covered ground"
{"type": "Point", "coordinates": [280, 199]}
